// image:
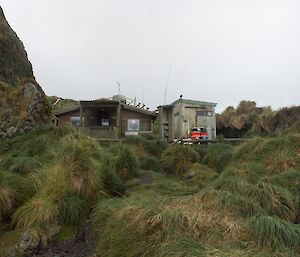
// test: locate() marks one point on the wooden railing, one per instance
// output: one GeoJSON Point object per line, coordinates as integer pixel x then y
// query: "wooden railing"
{"type": "Point", "coordinates": [100, 131]}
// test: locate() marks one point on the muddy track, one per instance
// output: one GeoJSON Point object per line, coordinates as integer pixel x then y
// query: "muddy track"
{"type": "Point", "coordinates": [83, 245]}
{"type": "Point", "coordinates": [71, 248]}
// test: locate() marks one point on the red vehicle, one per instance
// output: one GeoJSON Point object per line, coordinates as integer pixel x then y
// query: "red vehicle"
{"type": "Point", "coordinates": [199, 133]}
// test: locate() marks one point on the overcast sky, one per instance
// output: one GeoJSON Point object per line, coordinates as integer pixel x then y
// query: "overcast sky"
{"type": "Point", "coordinates": [221, 51]}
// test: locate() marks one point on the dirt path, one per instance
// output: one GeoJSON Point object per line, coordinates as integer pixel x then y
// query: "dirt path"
{"type": "Point", "coordinates": [83, 245]}
{"type": "Point", "coordinates": [71, 248]}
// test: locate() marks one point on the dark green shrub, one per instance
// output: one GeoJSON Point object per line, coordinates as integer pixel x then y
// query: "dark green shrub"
{"type": "Point", "coordinates": [150, 163]}
{"type": "Point", "coordinates": [177, 159]}
{"type": "Point", "coordinates": [155, 148]}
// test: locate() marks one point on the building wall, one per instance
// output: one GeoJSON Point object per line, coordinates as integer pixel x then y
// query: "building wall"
{"type": "Point", "coordinates": [145, 120]}
{"type": "Point", "coordinates": [186, 116]}
{"type": "Point", "coordinates": [166, 119]}
{"type": "Point", "coordinates": [65, 119]}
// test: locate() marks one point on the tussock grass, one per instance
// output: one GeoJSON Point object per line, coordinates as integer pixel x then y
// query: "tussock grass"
{"type": "Point", "coordinates": [150, 163]}
{"type": "Point", "coordinates": [82, 157]}
{"type": "Point", "coordinates": [37, 212]}
{"type": "Point", "coordinates": [218, 156]}
{"type": "Point", "coordinates": [181, 247]}
{"type": "Point", "coordinates": [11, 192]}
{"type": "Point", "coordinates": [252, 172]}
{"type": "Point", "coordinates": [177, 159]}
{"type": "Point", "coordinates": [62, 188]}
{"type": "Point", "coordinates": [125, 160]}
{"type": "Point", "coordinates": [199, 174]}
{"type": "Point", "coordinates": [268, 231]}
{"type": "Point", "coordinates": [274, 200]}
{"type": "Point", "coordinates": [154, 147]}
{"type": "Point", "coordinates": [289, 179]}
{"type": "Point", "coordinates": [74, 210]}
{"type": "Point", "coordinates": [277, 154]}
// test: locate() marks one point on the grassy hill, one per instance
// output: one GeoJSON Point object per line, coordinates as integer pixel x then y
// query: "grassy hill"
{"type": "Point", "coordinates": [148, 199]}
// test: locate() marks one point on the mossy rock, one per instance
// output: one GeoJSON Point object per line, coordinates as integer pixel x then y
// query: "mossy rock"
{"type": "Point", "coordinates": [67, 233]}
{"type": "Point", "coordinates": [8, 240]}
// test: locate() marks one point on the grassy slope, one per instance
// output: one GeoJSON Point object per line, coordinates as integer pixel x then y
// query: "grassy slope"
{"type": "Point", "coordinates": [217, 200]}
{"type": "Point", "coordinates": [250, 209]}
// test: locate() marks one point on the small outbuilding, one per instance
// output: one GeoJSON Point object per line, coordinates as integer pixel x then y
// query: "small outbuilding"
{"type": "Point", "coordinates": [178, 118]}
{"type": "Point", "coordinates": [110, 118]}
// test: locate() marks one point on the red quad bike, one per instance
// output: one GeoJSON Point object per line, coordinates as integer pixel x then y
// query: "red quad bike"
{"type": "Point", "coordinates": [198, 134]}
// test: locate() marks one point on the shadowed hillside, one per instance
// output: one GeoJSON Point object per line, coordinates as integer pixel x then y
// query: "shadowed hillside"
{"type": "Point", "coordinates": [23, 104]}
{"type": "Point", "coordinates": [14, 64]}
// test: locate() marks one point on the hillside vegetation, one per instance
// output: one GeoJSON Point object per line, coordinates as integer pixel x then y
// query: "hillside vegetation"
{"type": "Point", "coordinates": [23, 104]}
{"type": "Point", "coordinates": [248, 119]}
{"type": "Point", "coordinates": [14, 64]}
{"type": "Point", "coordinates": [148, 199]}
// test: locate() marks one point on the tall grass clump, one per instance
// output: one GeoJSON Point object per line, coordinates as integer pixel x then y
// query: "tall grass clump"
{"type": "Point", "coordinates": [135, 229]}
{"type": "Point", "coordinates": [66, 188]}
{"type": "Point", "coordinates": [150, 163]}
{"type": "Point", "coordinates": [11, 192]}
{"type": "Point", "coordinates": [200, 175]}
{"type": "Point", "coordinates": [270, 231]}
{"type": "Point", "coordinates": [154, 147]}
{"type": "Point", "coordinates": [177, 159]}
{"type": "Point", "coordinates": [273, 200]}
{"type": "Point", "coordinates": [37, 212]}
{"type": "Point", "coordinates": [126, 162]}
{"type": "Point", "coordinates": [277, 154]}
{"type": "Point", "coordinates": [218, 156]}
{"type": "Point", "coordinates": [82, 158]}
{"type": "Point", "coordinates": [74, 210]}
{"type": "Point", "coordinates": [252, 172]}
{"type": "Point", "coordinates": [111, 181]}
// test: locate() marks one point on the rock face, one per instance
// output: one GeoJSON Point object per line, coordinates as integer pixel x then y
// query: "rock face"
{"type": "Point", "coordinates": [14, 64]}
{"type": "Point", "coordinates": [23, 108]}
{"type": "Point", "coordinates": [23, 104]}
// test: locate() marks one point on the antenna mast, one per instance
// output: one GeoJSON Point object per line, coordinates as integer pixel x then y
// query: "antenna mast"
{"type": "Point", "coordinates": [119, 87]}
{"type": "Point", "coordinates": [167, 83]}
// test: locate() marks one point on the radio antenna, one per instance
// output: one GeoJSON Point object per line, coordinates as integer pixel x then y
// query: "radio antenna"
{"type": "Point", "coordinates": [119, 87]}
{"type": "Point", "coordinates": [167, 83]}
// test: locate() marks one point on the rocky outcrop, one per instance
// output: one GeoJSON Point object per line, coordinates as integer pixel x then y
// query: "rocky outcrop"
{"type": "Point", "coordinates": [23, 104]}
{"type": "Point", "coordinates": [31, 240]}
{"type": "Point", "coordinates": [14, 64]}
{"type": "Point", "coordinates": [22, 109]}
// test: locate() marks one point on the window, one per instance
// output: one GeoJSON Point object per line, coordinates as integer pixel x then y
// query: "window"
{"type": "Point", "coordinates": [133, 125]}
{"type": "Point", "coordinates": [205, 113]}
{"type": "Point", "coordinates": [75, 120]}
{"type": "Point", "coordinates": [104, 122]}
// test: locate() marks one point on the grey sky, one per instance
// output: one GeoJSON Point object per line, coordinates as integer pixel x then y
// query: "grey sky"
{"type": "Point", "coordinates": [222, 51]}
